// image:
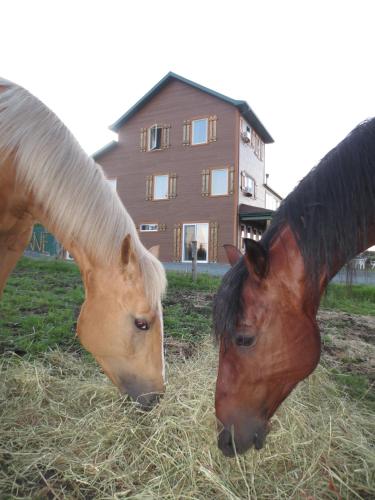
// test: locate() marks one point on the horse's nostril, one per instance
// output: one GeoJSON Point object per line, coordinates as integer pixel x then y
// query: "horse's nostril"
{"type": "Point", "coordinates": [148, 401]}
{"type": "Point", "coordinates": [225, 443]}
{"type": "Point", "coordinates": [258, 441]}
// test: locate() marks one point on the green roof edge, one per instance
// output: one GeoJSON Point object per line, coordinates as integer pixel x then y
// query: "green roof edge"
{"type": "Point", "coordinates": [242, 106]}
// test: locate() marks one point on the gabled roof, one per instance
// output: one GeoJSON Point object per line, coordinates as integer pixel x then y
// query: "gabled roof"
{"type": "Point", "coordinates": [242, 106]}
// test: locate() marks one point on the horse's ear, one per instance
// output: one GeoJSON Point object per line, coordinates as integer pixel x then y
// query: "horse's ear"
{"type": "Point", "coordinates": [233, 254]}
{"type": "Point", "coordinates": [155, 250]}
{"type": "Point", "coordinates": [256, 258]}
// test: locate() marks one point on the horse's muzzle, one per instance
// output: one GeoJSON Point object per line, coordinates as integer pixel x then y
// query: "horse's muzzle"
{"type": "Point", "coordinates": [148, 401]}
{"type": "Point", "coordinates": [146, 395]}
{"type": "Point", "coordinates": [231, 442]}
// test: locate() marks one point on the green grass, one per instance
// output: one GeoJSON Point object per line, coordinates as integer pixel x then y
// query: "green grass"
{"type": "Point", "coordinates": [39, 307]}
{"type": "Point", "coordinates": [357, 299]}
{"type": "Point", "coordinates": [204, 283]}
{"type": "Point", "coordinates": [42, 299]}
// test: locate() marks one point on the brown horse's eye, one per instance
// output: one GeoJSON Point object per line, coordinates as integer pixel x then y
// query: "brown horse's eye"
{"type": "Point", "coordinates": [142, 324]}
{"type": "Point", "coordinates": [244, 341]}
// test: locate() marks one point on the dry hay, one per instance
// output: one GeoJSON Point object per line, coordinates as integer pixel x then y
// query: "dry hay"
{"type": "Point", "coordinates": [65, 433]}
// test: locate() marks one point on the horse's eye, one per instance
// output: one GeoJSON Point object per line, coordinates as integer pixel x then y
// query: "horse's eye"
{"type": "Point", "coordinates": [142, 324]}
{"type": "Point", "coordinates": [244, 341]}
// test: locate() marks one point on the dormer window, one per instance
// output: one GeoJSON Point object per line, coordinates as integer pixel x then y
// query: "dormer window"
{"type": "Point", "coordinates": [155, 137]}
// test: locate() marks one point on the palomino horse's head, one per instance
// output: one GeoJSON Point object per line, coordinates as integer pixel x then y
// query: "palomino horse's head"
{"type": "Point", "coordinates": [120, 327]}
{"type": "Point", "coordinates": [269, 340]}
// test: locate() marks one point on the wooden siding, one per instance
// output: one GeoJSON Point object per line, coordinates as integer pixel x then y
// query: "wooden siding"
{"type": "Point", "coordinates": [173, 105]}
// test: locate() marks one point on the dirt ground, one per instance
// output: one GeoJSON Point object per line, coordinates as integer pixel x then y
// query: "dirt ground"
{"type": "Point", "coordinates": [348, 342]}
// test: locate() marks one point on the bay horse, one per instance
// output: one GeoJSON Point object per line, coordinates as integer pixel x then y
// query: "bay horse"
{"type": "Point", "coordinates": [265, 309]}
{"type": "Point", "coordinates": [46, 176]}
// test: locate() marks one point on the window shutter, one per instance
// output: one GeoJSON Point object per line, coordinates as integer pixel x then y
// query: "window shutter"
{"type": "Point", "coordinates": [172, 191]}
{"type": "Point", "coordinates": [177, 233]}
{"type": "Point", "coordinates": [162, 227]}
{"type": "Point", "coordinates": [212, 129]}
{"type": "Point", "coordinates": [143, 140]}
{"type": "Point", "coordinates": [149, 185]}
{"type": "Point", "coordinates": [205, 182]}
{"type": "Point", "coordinates": [213, 241]}
{"type": "Point", "coordinates": [166, 143]}
{"type": "Point", "coordinates": [231, 180]}
{"type": "Point", "coordinates": [186, 133]}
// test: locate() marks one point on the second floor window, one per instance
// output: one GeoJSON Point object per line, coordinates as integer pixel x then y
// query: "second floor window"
{"type": "Point", "coordinates": [199, 131]}
{"type": "Point", "coordinates": [161, 187]}
{"type": "Point", "coordinates": [271, 202]}
{"type": "Point", "coordinates": [247, 185]}
{"type": "Point", "coordinates": [219, 182]}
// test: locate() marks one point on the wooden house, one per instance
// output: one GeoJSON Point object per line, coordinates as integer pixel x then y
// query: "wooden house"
{"type": "Point", "coordinates": [189, 164]}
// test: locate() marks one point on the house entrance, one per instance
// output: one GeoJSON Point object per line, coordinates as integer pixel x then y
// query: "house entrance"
{"type": "Point", "coordinates": [198, 232]}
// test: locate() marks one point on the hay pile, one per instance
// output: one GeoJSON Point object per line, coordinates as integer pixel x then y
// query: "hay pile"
{"type": "Point", "coordinates": [65, 433]}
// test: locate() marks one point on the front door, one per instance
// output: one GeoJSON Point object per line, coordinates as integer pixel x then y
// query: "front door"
{"type": "Point", "coordinates": [199, 233]}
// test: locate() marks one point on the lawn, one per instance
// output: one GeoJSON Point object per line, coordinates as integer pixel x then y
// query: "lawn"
{"type": "Point", "coordinates": [66, 433]}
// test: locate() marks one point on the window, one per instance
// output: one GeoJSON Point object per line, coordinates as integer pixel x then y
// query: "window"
{"type": "Point", "coordinates": [199, 131]}
{"type": "Point", "coordinates": [271, 202]}
{"type": "Point", "coordinates": [247, 185]}
{"type": "Point", "coordinates": [219, 182]}
{"type": "Point", "coordinates": [198, 233]}
{"type": "Point", "coordinates": [250, 137]}
{"type": "Point", "coordinates": [148, 227]}
{"type": "Point", "coordinates": [161, 187]}
{"type": "Point", "coordinates": [154, 137]}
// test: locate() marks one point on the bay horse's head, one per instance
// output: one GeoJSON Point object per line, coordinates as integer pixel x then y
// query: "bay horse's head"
{"type": "Point", "coordinates": [121, 323]}
{"type": "Point", "coordinates": [269, 339]}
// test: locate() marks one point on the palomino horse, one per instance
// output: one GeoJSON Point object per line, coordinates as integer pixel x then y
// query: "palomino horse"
{"type": "Point", "coordinates": [265, 310]}
{"type": "Point", "coordinates": [45, 176]}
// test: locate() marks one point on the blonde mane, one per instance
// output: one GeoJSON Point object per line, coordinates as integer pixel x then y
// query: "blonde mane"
{"type": "Point", "coordinates": [69, 185]}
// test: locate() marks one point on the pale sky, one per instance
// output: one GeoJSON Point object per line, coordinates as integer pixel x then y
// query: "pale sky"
{"type": "Point", "coordinates": [306, 68]}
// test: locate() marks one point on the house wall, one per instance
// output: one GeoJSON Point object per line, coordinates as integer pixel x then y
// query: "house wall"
{"type": "Point", "coordinates": [251, 164]}
{"type": "Point", "coordinates": [172, 105]}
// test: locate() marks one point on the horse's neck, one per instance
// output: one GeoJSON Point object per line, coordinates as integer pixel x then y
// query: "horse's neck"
{"type": "Point", "coordinates": [287, 263]}
{"type": "Point", "coordinates": [364, 241]}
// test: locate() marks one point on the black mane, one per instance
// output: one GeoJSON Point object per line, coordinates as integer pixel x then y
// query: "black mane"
{"type": "Point", "coordinates": [329, 213]}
